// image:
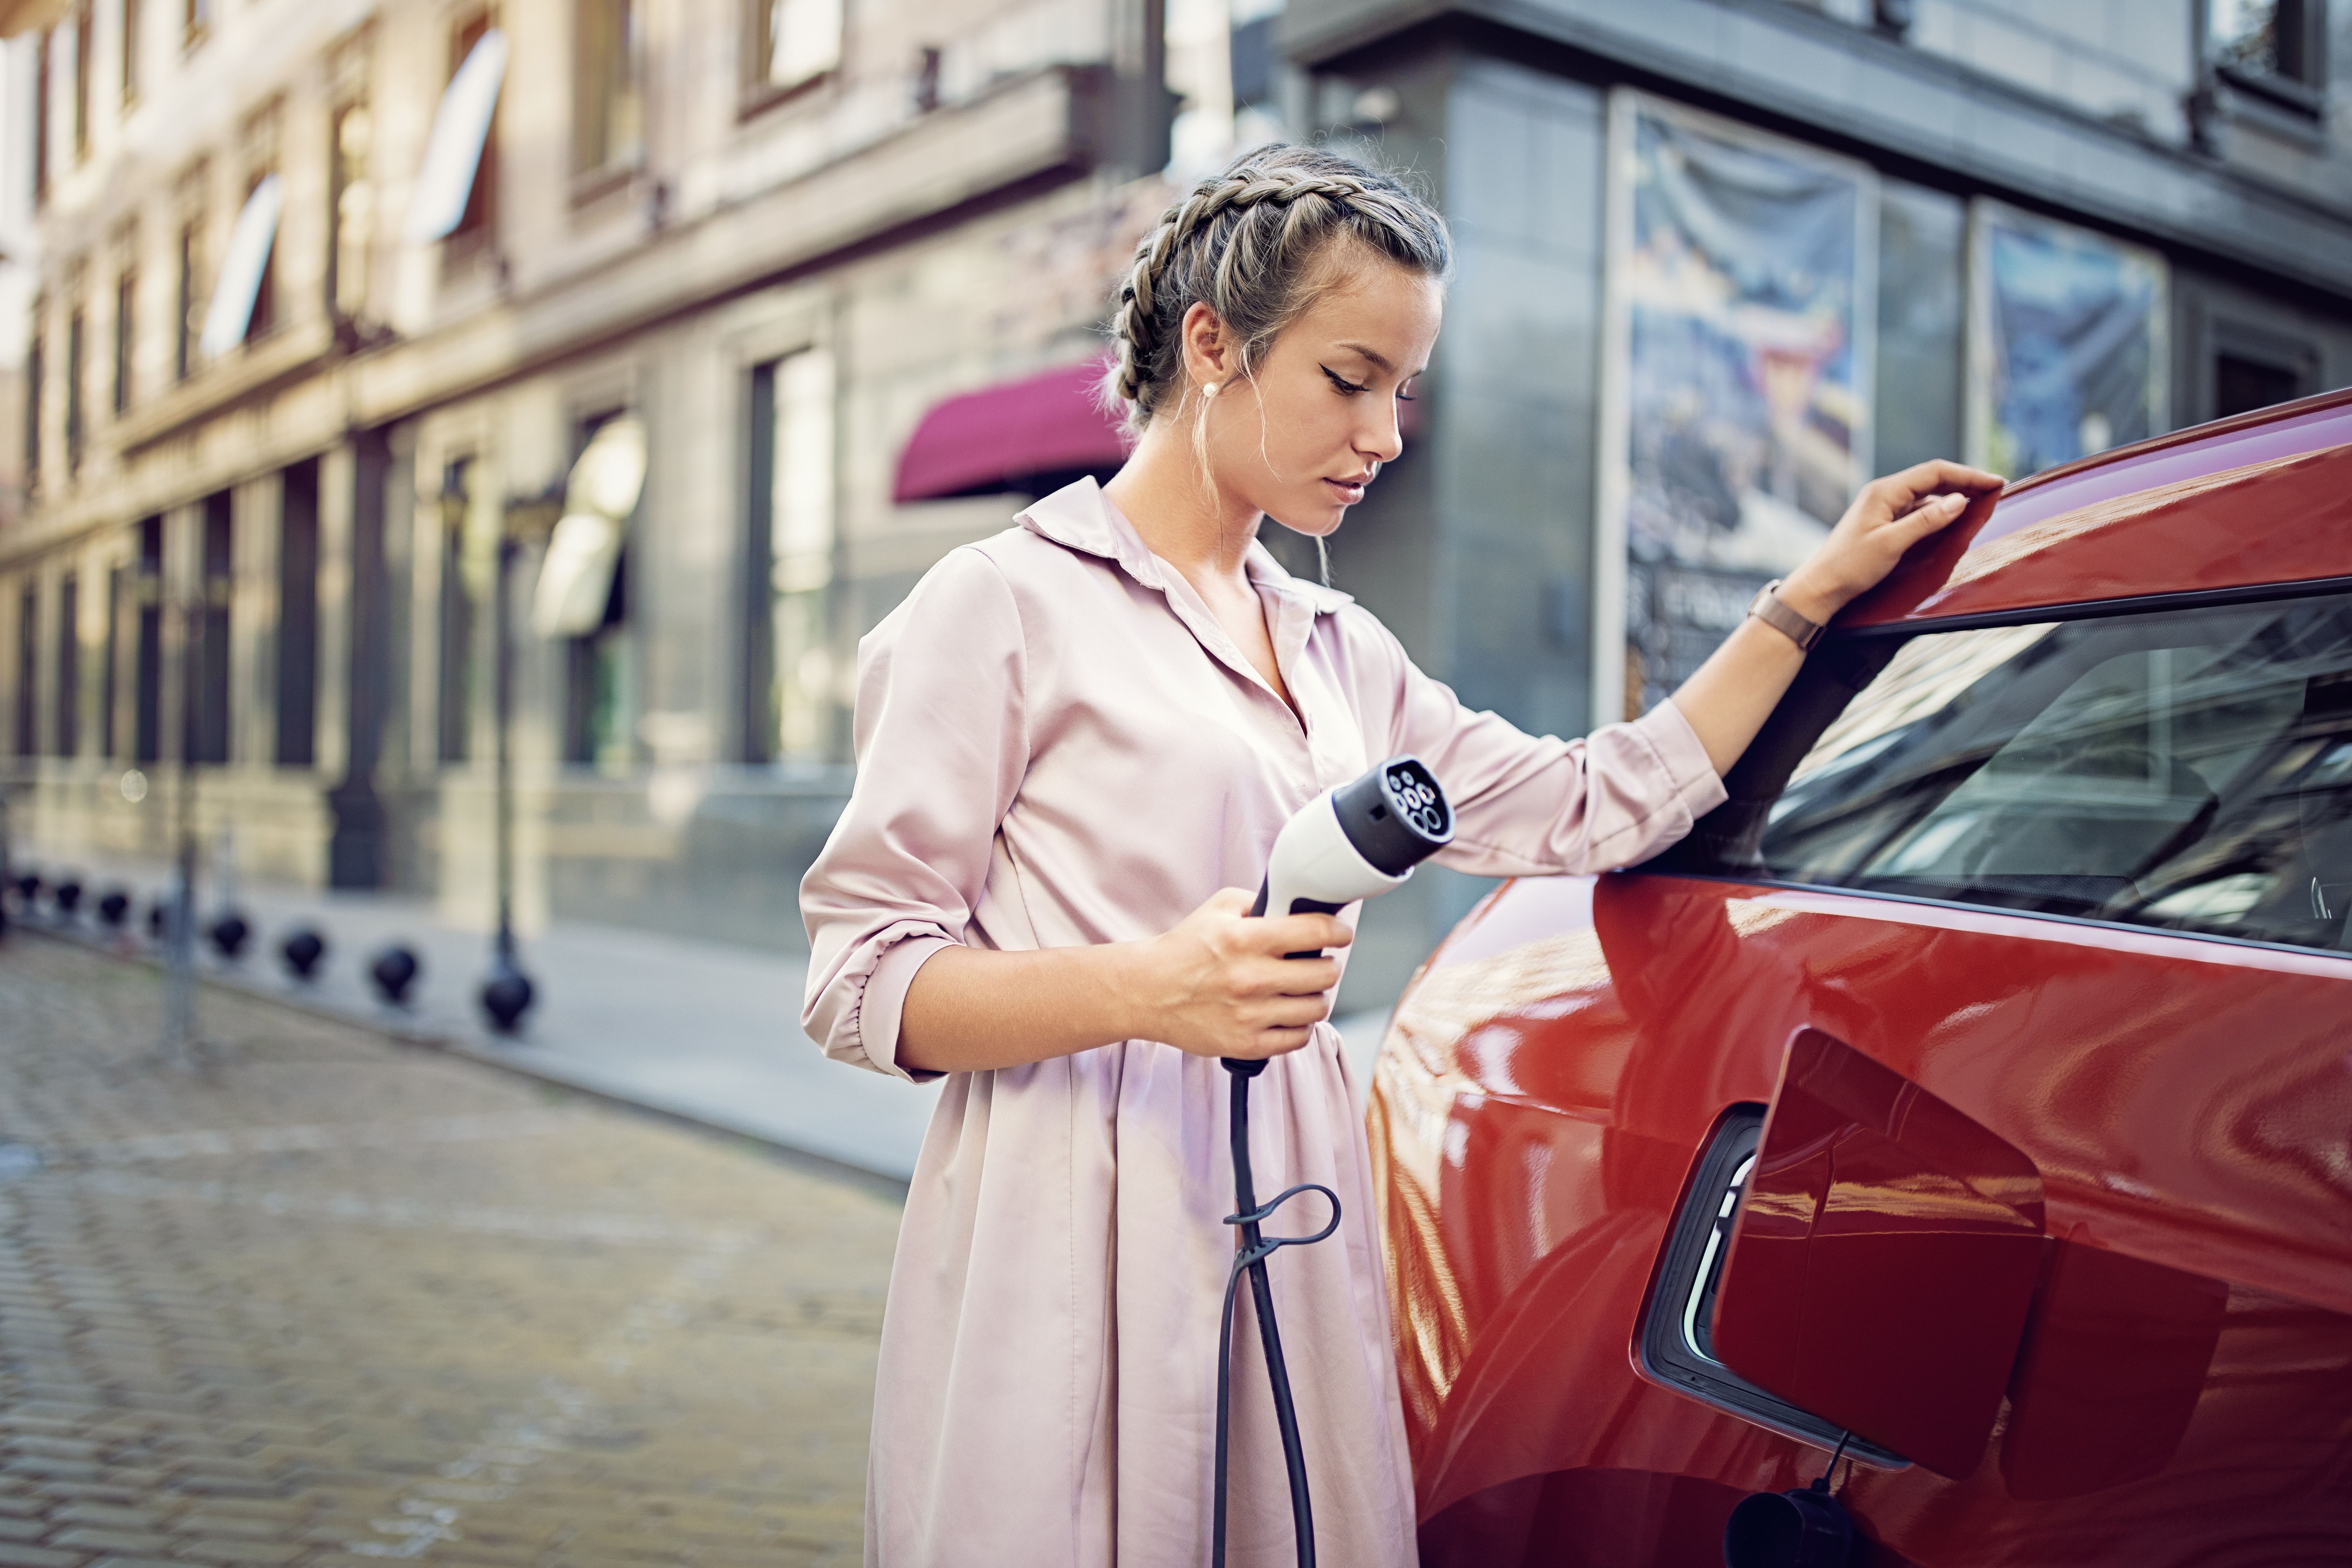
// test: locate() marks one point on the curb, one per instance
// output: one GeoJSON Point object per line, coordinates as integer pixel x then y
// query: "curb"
{"type": "Point", "coordinates": [236, 984]}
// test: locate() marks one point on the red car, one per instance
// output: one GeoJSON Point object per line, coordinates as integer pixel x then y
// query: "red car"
{"type": "Point", "coordinates": [1974, 1087]}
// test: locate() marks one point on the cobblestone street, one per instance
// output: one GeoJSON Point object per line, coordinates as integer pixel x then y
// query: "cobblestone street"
{"type": "Point", "coordinates": [326, 1300]}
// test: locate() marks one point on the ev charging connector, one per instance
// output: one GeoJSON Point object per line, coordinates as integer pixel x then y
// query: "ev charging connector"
{"type": "Point", "coordinates": [1354, 842]}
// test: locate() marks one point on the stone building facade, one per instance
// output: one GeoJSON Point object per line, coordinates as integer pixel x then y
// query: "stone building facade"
{"type": "Point", "coordinates": [772, 231]}
{"type": "Point", "coordinates": [778, 231]}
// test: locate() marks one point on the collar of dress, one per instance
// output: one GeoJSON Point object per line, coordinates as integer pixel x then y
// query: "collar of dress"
{"type": "Point", "coordinates": [1079, 517]}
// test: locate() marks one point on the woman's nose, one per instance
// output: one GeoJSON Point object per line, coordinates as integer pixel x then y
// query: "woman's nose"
{"type": "Point", "coordinates": [1383, 439]}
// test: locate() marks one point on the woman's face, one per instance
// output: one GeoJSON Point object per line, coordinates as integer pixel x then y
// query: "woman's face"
{"type": "Point", "coordinates": [1304, 443]}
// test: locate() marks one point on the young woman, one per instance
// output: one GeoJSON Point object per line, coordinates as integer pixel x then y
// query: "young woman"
{"type": "Point", "coordinates": [1075, 743]}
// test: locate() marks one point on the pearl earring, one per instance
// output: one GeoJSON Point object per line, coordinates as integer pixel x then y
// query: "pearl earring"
{"type": "Point", "coordinates": [1209, 390]}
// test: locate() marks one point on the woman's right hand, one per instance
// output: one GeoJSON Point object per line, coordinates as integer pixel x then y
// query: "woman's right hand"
{"type": "Point", "coordinates": [1217, 985]}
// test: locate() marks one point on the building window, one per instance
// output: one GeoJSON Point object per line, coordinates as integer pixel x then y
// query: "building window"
{"type": "Point", "coordinates": [789, 661]}
{"type": "Point", "coordinates": [191, 300]}
{"type": "Point", "coordinates": [36, 385]}
{"type": "Point", "coordinates": [41, 119]}
{"type": "Point", "coordinates": [601, 677]}
{"type": "Point", "coordinates": [147, 660]}
{"type": "Point", "coordinates": [77, 336]}
{"type": "Point", "coordinates": [28, 673]}
{"type": "Point", "coordinates": [85, 39]}
{"type": "Point", "coordinates": [792, 42]}
{"type": "Point", "coordinates": [263, 318]}
{"type": "Point", "coordinates": [350, 211]}
{"type": "Point", "coordinates": [481, 218]}
{"type": "Point", "coordinates": [455, 708]}
{"type": "Point", "coordinates": [297, 615]}
{"type": "Point", "coordinates": [608, 123]}
{"type": "Point", "coordinates": [65, 724]}
{"type": "Point", "coordinates": [126, 323]}
{"type": "Point", "coordinates": [207, 663]}
{"type": "Point", "coordinates": [130, 35]}
{"type": "Point", "coordinates": [2274, 47]}
{"type": "Point", "coordinates": [110, 742]}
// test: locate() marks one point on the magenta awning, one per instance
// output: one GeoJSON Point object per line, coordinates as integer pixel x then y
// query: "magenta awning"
{"type": "Point", "coordinates": [1007, 436]}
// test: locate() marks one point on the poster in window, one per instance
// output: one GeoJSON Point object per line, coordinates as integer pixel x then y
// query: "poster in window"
{"type": "Point", "coordinates": [1741, 296]}
{"type": "Point", "coordinates": [2067, 342]}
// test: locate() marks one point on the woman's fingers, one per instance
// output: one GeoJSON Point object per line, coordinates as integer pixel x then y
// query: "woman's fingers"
{"type": "Point", "coordinates": [1938, 476]}
{"type": "Point", "coordinates": [1300, 933]}
{"type": "Point", "coordinates": [1277, 976]}
{"type": "Point", "coordinates": [1271, 1043]}
{"type": "Point", "coordinates": [1929, 516]}
{"type": "Point", "coordinates": [1221, 984]}
{"type": "Point", "coordinates": [1889, 516]}
{"type": "Point", "coordinates": [1230, 901]}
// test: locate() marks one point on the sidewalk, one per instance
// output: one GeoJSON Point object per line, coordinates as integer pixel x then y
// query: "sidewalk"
{"type": "Point", "coordinates": [318, 1302]}
{"type": "Point", "coordinates": [699, 1029]}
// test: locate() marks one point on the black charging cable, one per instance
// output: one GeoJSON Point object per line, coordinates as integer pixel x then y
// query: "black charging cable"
{"type": "Point", "coordinates": [1358, 840]}
{"type": "Point", "coordinates": [1822, 1485]}
{"type": "Point", "coordinates": [1250, 1258]}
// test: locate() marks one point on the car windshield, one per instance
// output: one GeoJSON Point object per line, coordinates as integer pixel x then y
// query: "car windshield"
{"type": "Point", "coordinates": [2189, 770]}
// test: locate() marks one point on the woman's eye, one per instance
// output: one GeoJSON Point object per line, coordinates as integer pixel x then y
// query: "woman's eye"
{"type": "Point", "coordinates": [1346, 386]}
{"type": "Point", "coordinates": [1404, 396]}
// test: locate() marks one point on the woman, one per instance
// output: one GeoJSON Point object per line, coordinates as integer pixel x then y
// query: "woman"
{"type": "Point", "coordinates": [1076, 741]}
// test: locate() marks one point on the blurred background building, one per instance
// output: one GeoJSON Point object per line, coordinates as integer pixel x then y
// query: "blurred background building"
{"type": "Point", "coordinates": [311, 306]}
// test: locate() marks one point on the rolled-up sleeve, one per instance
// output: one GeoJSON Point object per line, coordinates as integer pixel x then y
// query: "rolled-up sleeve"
{"type": "Point", "coordinates": [942, 746]}
{"type": "Point", "coordinates": [1537, 806]}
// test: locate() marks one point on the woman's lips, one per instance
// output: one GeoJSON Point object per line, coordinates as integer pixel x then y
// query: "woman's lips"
{"type": "Point", "coordinates": [1349, 491]}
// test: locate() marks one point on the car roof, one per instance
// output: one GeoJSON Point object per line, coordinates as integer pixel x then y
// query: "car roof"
{"type": "Point", "coordinates": [2260, 498]}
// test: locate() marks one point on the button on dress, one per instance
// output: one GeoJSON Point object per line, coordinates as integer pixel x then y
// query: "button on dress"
{"type": "Point", "coordinates": [1057, 746]}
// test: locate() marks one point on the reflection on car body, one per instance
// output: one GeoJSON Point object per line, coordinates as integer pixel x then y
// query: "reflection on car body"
{"type": "Point", "coordinates": [1975, 1081]}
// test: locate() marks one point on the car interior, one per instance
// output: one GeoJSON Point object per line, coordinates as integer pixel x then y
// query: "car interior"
{"type": "Point", "coordinates": [2184, 769]}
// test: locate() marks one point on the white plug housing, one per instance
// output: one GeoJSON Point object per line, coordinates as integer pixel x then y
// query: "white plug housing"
{"type": "Point", "coordinates": [1314, 862]}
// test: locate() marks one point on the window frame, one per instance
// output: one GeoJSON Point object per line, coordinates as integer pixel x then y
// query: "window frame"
{"type": "Point", "coordinates": [126, 327]}
{"type": "Point", "coordinates": [596, 170]}
{"type": "Point", "coordinates": [2075, 612]}
{"type": "Point", "coordinates": [2303, 93]}
{"type": "Point", "coordinates": [477, 227]}
{"type": "Point", "coordinates": [127, 62]}
{"type": "Point", "coordinates": [77, 368]}
{"type": "Point", "coordinates": [85, 28]}
{"type": "Point", "coordinates": [35, 389]}
{"type": "Point", "coordinates": [757, 93]}
{"type": "Point", "coordinates": [44, 90]}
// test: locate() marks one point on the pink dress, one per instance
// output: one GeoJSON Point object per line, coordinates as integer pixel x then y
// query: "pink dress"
{"type": "Point", "coordinates": [1057, 744]}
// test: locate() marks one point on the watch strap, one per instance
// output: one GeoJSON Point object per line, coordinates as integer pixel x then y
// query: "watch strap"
{"type": "Point", "coordinates": [1773, 611]}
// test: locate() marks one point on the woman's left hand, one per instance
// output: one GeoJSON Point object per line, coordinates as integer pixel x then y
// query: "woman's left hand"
{"type": "Point", "coordinates": [1887, 517]}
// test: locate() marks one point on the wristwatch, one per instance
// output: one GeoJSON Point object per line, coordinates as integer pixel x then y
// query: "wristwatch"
{"type": "Point", "coordinates": [1773, 611]}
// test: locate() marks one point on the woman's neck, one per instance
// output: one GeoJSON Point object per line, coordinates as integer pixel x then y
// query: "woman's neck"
{"type": "Point", "coordinates": [1182, 515]}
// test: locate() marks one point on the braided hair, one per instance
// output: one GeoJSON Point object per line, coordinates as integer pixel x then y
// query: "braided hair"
{"type": "Point", "coordinates": [1250, 243]}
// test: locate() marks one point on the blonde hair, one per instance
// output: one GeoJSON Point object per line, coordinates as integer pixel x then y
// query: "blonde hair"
{"type": "Point", "coordinates": [1250, 244]}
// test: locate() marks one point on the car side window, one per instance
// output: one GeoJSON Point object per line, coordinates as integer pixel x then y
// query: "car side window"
{"type": "Point", "coordinates": [2191, 770]}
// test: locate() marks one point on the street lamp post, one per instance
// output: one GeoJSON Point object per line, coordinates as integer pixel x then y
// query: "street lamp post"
{"type": "Point", "coordinates": [180, 1042]}
{"type": "Point", "coordinates": [507, 992]}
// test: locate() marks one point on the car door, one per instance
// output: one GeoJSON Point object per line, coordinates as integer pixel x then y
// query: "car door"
{"type": "Point", "coordinates": [2073, 880]}
{"type": "Point", "coordinates": [2150, 1071]}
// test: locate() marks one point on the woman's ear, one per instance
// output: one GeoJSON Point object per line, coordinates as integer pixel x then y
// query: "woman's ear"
{"type": "Point", "coordinates": [1209, 356]}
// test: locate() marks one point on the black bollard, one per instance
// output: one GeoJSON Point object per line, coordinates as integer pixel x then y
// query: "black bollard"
{"type": "Point", "coordinates": [303, 950]}
{"type": "Point", "coordinates": [67, 896]}
{"type": "Point", "coordinates": [395, 969]}
{"type": "Point", "coordinates": [114, 909]}
{"type": "Point", "coordinates": [229, 934]}
{"type": "Point", "coordinates": [28, 890]}
{"type": "Point", "coordinates": [159, 919]}
{"type": "Point", "coordinates": [506, 996]}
